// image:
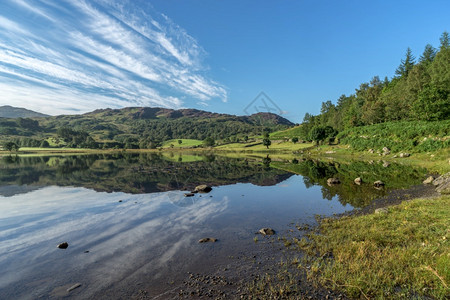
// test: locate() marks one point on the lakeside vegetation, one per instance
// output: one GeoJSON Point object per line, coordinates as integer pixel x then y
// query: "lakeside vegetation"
{"type": "Point", "coordinates": [365, 258]}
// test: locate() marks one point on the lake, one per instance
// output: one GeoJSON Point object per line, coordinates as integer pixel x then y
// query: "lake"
{"type": "Point", "coordinates": [132, 232]}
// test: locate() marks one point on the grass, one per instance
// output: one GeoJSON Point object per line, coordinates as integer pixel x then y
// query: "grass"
{"type": "Point", "coordinates": [401, 254]}
{"type": "Point", "coordinates": [287, 134]}
{"type": "Point", "coordinates": [185, 143]}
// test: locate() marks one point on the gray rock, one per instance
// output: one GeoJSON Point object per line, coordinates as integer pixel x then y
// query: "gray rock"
{"type": "Point", "coordinates": [382, 210]}
{"type": "Point", "coordinates": [441, 179]}
{"type": "Point", "coordinates": [266, 231]}
{"type": "Point", "coordinates": [203, 188]}
{"type": "Point", "coordinates": [63, 245]}
{"type": "Point", "coordinates": [332, 181]}
{"type": "Point", "coordinates": [428, 180]}
{"type": "Point", "coordinates": [444, 188]}
{"type": "Point", "coordinates": [358, 181]}
{"type": "Point", "coordinates": [207, 240]}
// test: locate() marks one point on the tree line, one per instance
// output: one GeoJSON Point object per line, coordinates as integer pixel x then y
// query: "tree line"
{"type": "Point", "coordinates": [420, 90]}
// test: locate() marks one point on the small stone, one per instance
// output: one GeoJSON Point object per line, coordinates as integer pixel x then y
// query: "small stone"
{"type": "Point", "coordinates": [189, 194]}
{"type": "Point", "coordinates": [358, 181]}
{"type": "Point", "coordinates": [386, 151]}
{"type": "Point", "coordinates": [428, 180]}
{"type": "Point", "coordinates": [378, 184]}
{"type": "Point", "coordinates": [371, 151]}
{"type": "Point", "coordinates": [208, 240]}
{"type": "Point", "coordinates": [382, 210]}
{"type": "Point", "coordinates": [332, 181]}
{"type": "Point", "coordinates": [401, 155]}
{"type": "Point", "coordinates": [266, 231]}
{"type": "Point", "coordinates": [63, 245]}
{"type": "Point", "coordinates": [386, 164]}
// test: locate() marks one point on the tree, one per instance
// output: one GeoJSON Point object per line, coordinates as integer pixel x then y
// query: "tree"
{"type": "Point", "coordinates": [406, 64]}
{"type": "Point", "coordinates": [317, 134]}
{"type": "Point", "coordinates": [209, 142]}
{"type": "Point", "coordinates": [44, 144]}
{"type": "Point", "coordinates": [266, 140]}
{"type": "Point", "coordinates": [428, 55]}
{"type": "Point", "coordinates": [180, 142]}
{"type": "Point", "coordinates": [445, 41]}
{"type": "Point", "coordinates": [11, 146]}
{"type": "Point", "coordinates": [295, 140]}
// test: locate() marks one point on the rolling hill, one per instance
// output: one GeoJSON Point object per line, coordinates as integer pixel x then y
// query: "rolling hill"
{"type": "Point", "coordinates": [7, 111]}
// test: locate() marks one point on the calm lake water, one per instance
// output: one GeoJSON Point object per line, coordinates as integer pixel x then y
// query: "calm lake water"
{"type": "Point", "coordinates": [130, 227]}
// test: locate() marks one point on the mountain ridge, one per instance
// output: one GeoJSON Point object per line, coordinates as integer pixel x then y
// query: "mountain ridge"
{"type": "Point", "coordinates": [12, 112]}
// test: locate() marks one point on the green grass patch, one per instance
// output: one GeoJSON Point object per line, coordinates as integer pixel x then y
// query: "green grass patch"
{"type": "Point", "coordinates": [287, 134]}
{"type": "Point", "coordinates": [400, 254]}
{"type": "Point", "coordinates": [185, 143]}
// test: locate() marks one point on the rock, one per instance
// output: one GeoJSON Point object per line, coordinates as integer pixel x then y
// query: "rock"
{"type": "Point", "coordinates": [382, 210]}
{"type": "Point", "coordinates": [371, 151]}
{"type": "Point", "coordinates": [207, 240]}
{"type": "Point", "coordinates": [386, 164]}
{"type": "Point", "coordinates": [441, 179]}
{"type": "Point", "coordinates": [332, 181]}
{"type": "Point", "coordinates": [428, 180]}
{"type": "Point", "coordinates": [401, 155]}
{"type": "Point", "coordinates": [266, 231]}
{"type": "Point", "coordinates": [63, 245]}
{"type": "Point", "coordinates": [358, 181]}
{"type": "Point", "coordinates": [386, 150]}
{"type": "Point", "coordinates": [203, 188]}
{"type": "Point", "coordinates": [378, 184]}
{"type": "Point", "coordinates": [444, 188]}
{"type": "Point", "coordinates": [77, 285]}
{"type": "Point", "coordinates": [189, 194]}
{"type": "Point", "coordinates": [395, 156]}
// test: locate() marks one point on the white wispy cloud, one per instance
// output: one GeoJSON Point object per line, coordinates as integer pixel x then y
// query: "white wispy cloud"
{"type": "Point", "coordinates": [81, 55]}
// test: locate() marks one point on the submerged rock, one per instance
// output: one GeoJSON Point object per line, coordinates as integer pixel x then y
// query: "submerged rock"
{"type": "Point", "coordinates": [207, 240]}
{"type": "Point", "coordinates": [189, 194]}
{"type": "Point", "coordinates": [266, 231]}
{"type": "Point", "coordinates": [203, 188]}
{"type": "Point", "coordinates": [75, 286]}
{"type": "Point", "coordinates": [63, 245]}
{"type": "Point", "coordinates": [358, 181]}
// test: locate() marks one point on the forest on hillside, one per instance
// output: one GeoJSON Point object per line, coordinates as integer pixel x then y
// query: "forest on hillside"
{"type": "Point", "coordinates": [419, 91]}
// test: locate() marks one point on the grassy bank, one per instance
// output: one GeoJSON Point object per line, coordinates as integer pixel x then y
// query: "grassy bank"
{"type": "Point", "coordinates": [403, 253]}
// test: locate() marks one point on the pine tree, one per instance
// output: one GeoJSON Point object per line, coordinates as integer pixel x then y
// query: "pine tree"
{"type": "Point", "coordinates": [428, 55]}
{"type": "Point", "coordinates": [406, 64]}
{"type": "Point", "coordinates": [445, 41]}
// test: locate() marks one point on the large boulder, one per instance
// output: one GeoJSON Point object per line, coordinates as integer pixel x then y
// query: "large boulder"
{"type": "Point", "coordinates": [203, 188]}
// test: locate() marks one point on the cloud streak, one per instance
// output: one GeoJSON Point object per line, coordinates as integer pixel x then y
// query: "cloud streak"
{"type": "Point", "coordinates": [66, 56]}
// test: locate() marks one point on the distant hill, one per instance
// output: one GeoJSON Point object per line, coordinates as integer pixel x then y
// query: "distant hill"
{"type": "Point", "coordinates": [138, 127]}
{"type": "Point", "coordinates": [12, 112]}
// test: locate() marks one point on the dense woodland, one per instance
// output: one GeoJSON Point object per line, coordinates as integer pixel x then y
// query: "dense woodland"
{"type": "Point", "coordinates": [420, 90]}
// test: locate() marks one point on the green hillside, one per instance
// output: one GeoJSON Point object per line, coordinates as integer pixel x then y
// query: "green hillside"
{"type": "Point", "coordinates": [287, 134]}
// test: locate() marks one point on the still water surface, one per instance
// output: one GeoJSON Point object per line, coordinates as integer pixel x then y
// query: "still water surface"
{"type": "Point", "coordinates": [130, 227]}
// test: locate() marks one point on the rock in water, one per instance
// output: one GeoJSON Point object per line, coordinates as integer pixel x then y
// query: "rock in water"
{"type": "Point", "coordinates": [378, 184]}
{"type": "Point", "coordinates": [428, 180]}
{"type": "Point", "coordinates": [203, 188]}
{"type": "Point", "coordinates": [63, 245]}
{"type": "Point", "coordinates": [331, 181]}
{"type": "Point", "coordinates": [189, 194]}
{"type": "Point", "coordinates": [208, 240]}
{"type": "Point", "coordinates": [358, 181]}
{"type": "Point", "coordinates": [266, 231]}
{"type": "Point", "coordinates": [75, 286]}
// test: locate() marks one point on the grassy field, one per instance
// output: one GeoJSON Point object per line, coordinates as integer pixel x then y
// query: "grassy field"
{"type": "Point", "coordinates": [185, 143]}
{"type": "Point", "coordinates": [366, 258]}
{"type": "Point", "coordinates": [286, 134]}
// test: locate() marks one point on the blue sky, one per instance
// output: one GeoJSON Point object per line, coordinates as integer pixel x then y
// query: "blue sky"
{"type": "Point", "coordinates": [75, 56]}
